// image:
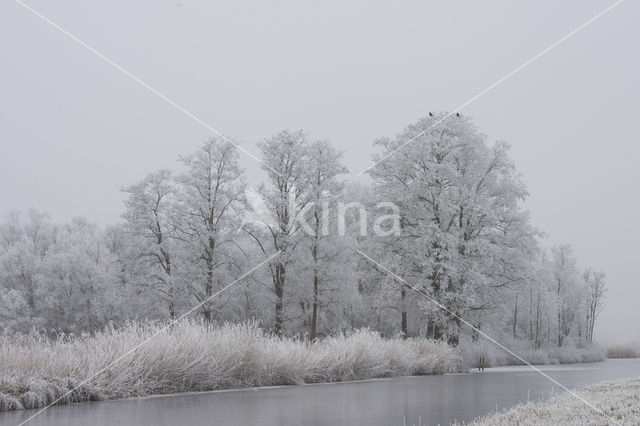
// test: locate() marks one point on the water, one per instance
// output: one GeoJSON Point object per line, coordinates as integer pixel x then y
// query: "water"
{"type": "Point", "coordinates": [431, 399]}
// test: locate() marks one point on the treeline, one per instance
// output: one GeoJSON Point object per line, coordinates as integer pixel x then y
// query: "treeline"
{"type": "Point", "coordinates": [441, 222]}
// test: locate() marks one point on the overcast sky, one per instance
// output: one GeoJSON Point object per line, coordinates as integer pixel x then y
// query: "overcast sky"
{"type": "Point", "coordinates": [74, 130]}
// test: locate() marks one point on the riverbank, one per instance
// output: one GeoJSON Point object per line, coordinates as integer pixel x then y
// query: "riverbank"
{"type": "Point", "coordinates": [618, 403]}
{"type": "Point", "coordinates": [36, 371]}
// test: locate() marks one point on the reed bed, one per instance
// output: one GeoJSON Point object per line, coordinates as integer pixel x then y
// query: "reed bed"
{"type": "Point", "coordinates": [495, 356]}
{"type": "Point", "coordinates": [629, 350]}
{"type": "Point", "coordinates": [36, 370]}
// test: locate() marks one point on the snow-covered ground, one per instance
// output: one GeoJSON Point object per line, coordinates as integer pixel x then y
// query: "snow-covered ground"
{"type": "Point", "coordinates": [618, 402]}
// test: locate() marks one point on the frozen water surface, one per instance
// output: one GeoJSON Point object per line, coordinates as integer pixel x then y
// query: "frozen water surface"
{"type": "Point", "coordinates": [431, 399]}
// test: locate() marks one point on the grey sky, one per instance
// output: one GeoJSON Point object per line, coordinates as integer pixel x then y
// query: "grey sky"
{"type": "Point", "coordinates": [73, 130]}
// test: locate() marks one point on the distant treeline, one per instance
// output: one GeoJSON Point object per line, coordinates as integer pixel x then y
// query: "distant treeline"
{"type": "Point", "coordinates": [442, 221]}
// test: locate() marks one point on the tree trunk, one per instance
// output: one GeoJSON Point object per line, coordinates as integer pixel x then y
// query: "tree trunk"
{"type": "Point", "coordinates": [206, 309]}
{"type": "Point", "coordinates": [538, 323]}
{"type": "Point", "coordinates": [314, 254]}
{"type": "Point", "coordinates": [454, 339]}
{"type": "Point", "coordinates": [404, 325]}
{"type": "Point", "coordinates": [314, 314]}
{"type": "Point", "coordinates": [403, 320]}
{"type": "Point", "coordinates": [208, 291]}
{"type": "Point", "coordinates": [560, 325]}
{"type": "Point", "coordinates": [279, 289]}
{"type": "Point", "coordinates": [531, 314]}
{"type": "Point", "coordinates": [475, 333]}
{"type": "Point", "coordinates": [437, 331]}
{"type": "Point", "coordinates": [515, 317]}
{"type": "Point", "coordinates": [172, 311]}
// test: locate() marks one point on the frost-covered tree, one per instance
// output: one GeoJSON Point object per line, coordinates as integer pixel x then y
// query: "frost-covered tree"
{"type": "Point", "coordinates": [556, 304]}
{"type": "Point", "coordinates": [565, 279]}
{"type": "Point", "coordinates": [283, 199]}
{"type": "Point", "coordinates": [596, 288]}
{"type": "Point", "coordinates": [211, 190]}
{"type": "Point", "coordinates": [444, 213]}
{"type": "Point", "coordinates": [324, 193]}
{"type": "Point", "coordinates": [76, 281]}
{"type": "Point", "coordinates": [149, 218]}
{"type": "Point", "coordinates": [24, 243]}
{"type": "Point", "coordinates": [462, 224]}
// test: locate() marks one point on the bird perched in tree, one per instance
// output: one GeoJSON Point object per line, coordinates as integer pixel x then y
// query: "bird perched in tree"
{"type": "Point", "coordinates": [457, 114]}
{"type": "Point", "coordinates": [430, 114]}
